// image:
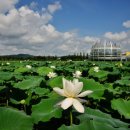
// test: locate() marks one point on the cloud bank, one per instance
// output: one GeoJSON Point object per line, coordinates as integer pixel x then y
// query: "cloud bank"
{"type": "Point", "coordinates": [26, 30]}
{"type": "Point", "coordinates": [126, 24]}
{"type": "Point", "coordinates": [116, 36]}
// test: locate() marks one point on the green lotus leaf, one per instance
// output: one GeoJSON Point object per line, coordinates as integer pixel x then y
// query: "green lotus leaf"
{"type": "Point", "coordinates": [126, 77]}
{"type": "Point", "coordinates": [5, 76]}
{"type": "Point", "coordinates": [44, 70]}
{"type": "Point", "coordinates": [55, 82]}
{"type": "Point", "coordinates": [28, 83]}
{"type": "Point", "coordinates": [53, 94]}
{"type": "Point", "coordinates": [109, 87]}
{"type": "Point", "coordinates": [41, 91]}
{"type": "Point", "coordinates": [21, 70]}
{"type": "Point", "coordinates": [14, 101]}
{"type": "Point", "coordinates": [69, 70]}
{"type": "Point", "coordinates": [11, 119]}
{"type": "Point", "coordinates": [97, 88]}
{"type": "Point", "coordinates": [2, 87]}
{"type": "Point", "coordinates": [114, 75]}
{"type": "Point", "coordinates": [122, 106]}
{"type": "Point", "coordinates": [91, 125]}
{"type": "Point", "coordinates": [123, 85]}
{"type": "Point", "coordinates": [1, 82]}
{"type": "Point", "coordinates": [97, 115]}
{"type": "Point", "coordinates": [101, 74]}
{"type": "Point", "coordinates": [126, 68]}
{"type": "Point", "coordinates": [123, 82]}
{"type": "Point", "coordinates": [18, 76]}
{"type": "Point", "coordinates": [45, 110]}
{"type": "Point", "coordinates": [106, 65]}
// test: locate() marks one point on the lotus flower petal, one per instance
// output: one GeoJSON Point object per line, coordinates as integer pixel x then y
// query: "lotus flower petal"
{"type": "Point", "coordinates": [68, 88]}
{"type": "Point", "coordinates": [85, 93]}
{"type": "Point", "coordinates": [81, 100]}
{"type": "Point", "coordinates": [72, 89]}
{"type": "Point", "coordinates": [64, 87]}
{"type": "Point", "coordinates": [77, 74]}
{"type": "Point", "coordinates": [78, 88]}
{"type": "Point", "coordinates": [67, 103]}
{"type": "Point", "coordinates": [78, 106]}
{"type": "Point", "coordinates": [59, 91]}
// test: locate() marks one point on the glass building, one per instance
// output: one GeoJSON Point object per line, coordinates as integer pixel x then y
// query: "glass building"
{"type": "Point", "coordinates": [105, 51]}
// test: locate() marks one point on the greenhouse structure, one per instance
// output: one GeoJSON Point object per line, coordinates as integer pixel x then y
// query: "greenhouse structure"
{"type": "Point", "coordinates": [105, 51]}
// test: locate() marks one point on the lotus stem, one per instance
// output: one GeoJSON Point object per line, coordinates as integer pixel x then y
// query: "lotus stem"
{"type": "Point", "coordinates": [7, 102]}
{"type": "Point", "coordinates": [71, 117]}
{"type": "Point", "coordinates": [24, 108]}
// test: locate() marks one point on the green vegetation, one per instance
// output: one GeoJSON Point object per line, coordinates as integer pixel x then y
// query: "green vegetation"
{"type": "Point", "coordinates": [28, 102]}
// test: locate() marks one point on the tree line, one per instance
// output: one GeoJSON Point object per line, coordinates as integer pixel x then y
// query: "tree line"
{"type": "Point", "coordinates": [78, 56]}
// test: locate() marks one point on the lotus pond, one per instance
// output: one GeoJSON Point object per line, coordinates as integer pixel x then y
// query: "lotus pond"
{"type": "Point", "coordinates": [28, 100]}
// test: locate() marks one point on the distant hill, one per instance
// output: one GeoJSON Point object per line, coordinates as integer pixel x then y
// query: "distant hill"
{"type": "Point", "coordinates": [26, 57]}
{"type": "Point", "coordinates": [19, 56]}
{"type": "Point", "coordinates": [22, 55]}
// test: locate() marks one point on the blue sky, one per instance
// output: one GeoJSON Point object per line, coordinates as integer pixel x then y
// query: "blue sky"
{"type": "Point", "coordinates": [89, 17]}
{"type": "Point", "coordinates": [93, 17]}
{"type": "Point", "coordinates": [52, 27]}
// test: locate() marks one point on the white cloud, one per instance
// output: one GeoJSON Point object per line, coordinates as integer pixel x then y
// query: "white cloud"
{"type": "Point", "coordinates": [25, 20]}
{"type": "Point", "coordinates": [6, 5]}
{"type": "Point", "coordinates": [126, 24]}
{"type": "Point", "coordinates": [33, 5]}
{"type": "Point", "coordinates": [89, 39]}
{"type": "Point", "coordinates": [53, 7]}
{"type": "Point", "coordinates": [115, 36]}
{"type": "Point", "coordinates": [24, 30]}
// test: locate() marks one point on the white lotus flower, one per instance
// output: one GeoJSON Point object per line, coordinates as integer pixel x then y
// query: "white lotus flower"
{"type": "Point", "coordinates": [7, 63]}
{"type": "Point", "coordinates": [49, 62]}
{"type": "Point", "coordinates": [51, 75]}
{"type": "Point", "coordinates": [77, 74]}
{"type": "Point", "coordinates": [28, 66]}
{"type": "Point", "coordinates": [53, 67]}
{"type": "Point", "coordinates": [69, 60]}
{"type": "Point", "coordinates": [71, 90]}
{"type": "Point", "coordinates": [96, 69]}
